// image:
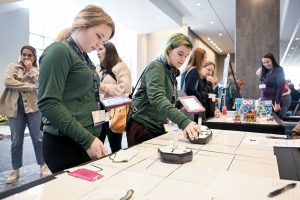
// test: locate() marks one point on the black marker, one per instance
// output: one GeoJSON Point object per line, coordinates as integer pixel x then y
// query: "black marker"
{"type": "Point", "coordinates": [281, 190]}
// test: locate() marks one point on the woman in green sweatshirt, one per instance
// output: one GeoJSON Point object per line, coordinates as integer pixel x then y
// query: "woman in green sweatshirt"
{"type": "Point", "coordinates": [154, 102]}
{"type": "Point", "coordinates": [68, 92]}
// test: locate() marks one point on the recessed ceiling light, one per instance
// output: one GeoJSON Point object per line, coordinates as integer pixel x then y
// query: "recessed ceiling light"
{"type": "Point", "coordinates": [217, 46]}
{"type": "Point", "coordinates": [211, 22]}
{"type": "Point", "coordinates": [211, 41]}
{"type": "Point", "coordinates": [221, 50]}
{"type": "Point", "coordinates": [292, 47]}
{"type": "Point", "coordinates": [198, 4]}
{"type": "Point", "coordinates": [208, 38]}
{"type": "Point", "coordinates": [297, 38]}
{"type": "Point", "coordinates": [220, 34]}
{"type": "Point", "coordinates": [214, 44]}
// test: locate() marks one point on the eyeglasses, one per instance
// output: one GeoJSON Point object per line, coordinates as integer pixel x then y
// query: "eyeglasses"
{"type": "Point", "coordinates": [27, 54]}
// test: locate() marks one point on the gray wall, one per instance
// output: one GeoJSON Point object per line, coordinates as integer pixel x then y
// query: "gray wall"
{"type": "Point", "coordinates": [257, 33]}
{"type": "Point", "coordinates": [15, 33]}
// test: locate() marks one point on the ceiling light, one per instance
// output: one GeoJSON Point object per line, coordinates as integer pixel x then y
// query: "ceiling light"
{"type": "Point", "coordinates": [211, 22]}
{"type": "Point", "coordinates": [211, 41]}
{"type": "Point", "coordinates": [208, 38]}
{"type": "Point", "coordinates": [214, 44]}
{"type": "Point", "coordinates": [220, 34]}
{"type": "Point", "coordinates": [221, 50]}
{"type": "Point", "coordinates": [292, 47]}
{"type": "Point", "coordinates": [217, 46]}
{"type": "Point", "coordinates": [297, 38]}
{"type": "Point", "coordinates": [198, 4]}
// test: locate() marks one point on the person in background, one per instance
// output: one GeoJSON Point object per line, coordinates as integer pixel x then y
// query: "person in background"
{"type": "Point", "coordinates": [68, 93]}
{"type": "Point", "coordinates": [196, 83]}
{"type": "Point", "coordinates": [240, 85]}
{"type": "Point", "coordinates": [194, 66]}
{"type": "Point", "coordinates": [190, 78]}
{"type": "Point", "coordinates": [115, 81]}
{"type": "Point", "coordinates": [208, 72]}
{"type": "Point", "coordinates": [19, 103]}
{"type": "Point", "coordinates": [295, 95]}
{"type": "Point", "coordinates": [154, 102]}
{"type": "Point", "coordinates": [231, 92]}
{"type": "Point", "coordinates": [273, 84]}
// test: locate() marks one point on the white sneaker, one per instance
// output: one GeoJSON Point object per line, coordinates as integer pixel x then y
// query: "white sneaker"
{"type": "Point", "coordinates": [44, 170]}
{"type": "Point", "coordinates": [13, 177]}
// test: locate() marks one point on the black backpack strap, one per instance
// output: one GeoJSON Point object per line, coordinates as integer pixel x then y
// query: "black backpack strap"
{"type": "Point", "coordinates": [133, 90]}
{"type": "Point", "coordinates": [133, 111]}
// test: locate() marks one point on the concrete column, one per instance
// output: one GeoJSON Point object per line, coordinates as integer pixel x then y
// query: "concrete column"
{"type": "Point", "coordinates": [257, 33]}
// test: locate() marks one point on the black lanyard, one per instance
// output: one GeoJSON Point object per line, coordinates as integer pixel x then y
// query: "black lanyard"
{"type": "Point", "coordinates": [174, 83]}
{"type": "Point", "coordinates": [89, 63]}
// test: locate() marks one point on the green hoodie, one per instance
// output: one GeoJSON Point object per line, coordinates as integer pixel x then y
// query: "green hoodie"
{"type": "Point", "coordinates": [156, 84]}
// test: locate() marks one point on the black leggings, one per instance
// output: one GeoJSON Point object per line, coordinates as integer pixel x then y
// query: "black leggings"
{"type": "Point", "coordinates": [115, 139]}
{"type": "Point", "coordinates": [61, 152]}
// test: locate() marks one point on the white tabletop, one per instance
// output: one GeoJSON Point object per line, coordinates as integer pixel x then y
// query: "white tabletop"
{"type": "Point", "coordinates": [226, 168]}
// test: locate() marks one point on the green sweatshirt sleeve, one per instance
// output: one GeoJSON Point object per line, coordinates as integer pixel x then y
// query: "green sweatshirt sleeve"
{"type": "Point", "coordinates": [55, 66]}
{"type": "Point", "coordinates": [156, 80]}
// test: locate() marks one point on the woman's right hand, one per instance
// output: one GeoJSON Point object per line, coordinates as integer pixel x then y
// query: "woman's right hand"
{"type": "Point", "coordinates": [28, 64]}
{"type": "Point", "coordinates": [96, 150]}
{"type": "Point", "coordinates": [192, 131]}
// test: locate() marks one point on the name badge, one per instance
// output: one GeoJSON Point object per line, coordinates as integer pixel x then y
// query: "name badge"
{"type": "Point", "coordinates": [98, 117]}
{"type": "Point", "coordinates": [262, 86]}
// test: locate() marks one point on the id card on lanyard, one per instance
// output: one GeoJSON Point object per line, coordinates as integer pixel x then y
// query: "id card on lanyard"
{"type": "Point", "coordinates": [98, 115]}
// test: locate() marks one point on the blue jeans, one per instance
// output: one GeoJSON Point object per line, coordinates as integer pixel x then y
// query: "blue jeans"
{"type": "Point", "coordinates": [285, 104]}
{"type": "Point", "coordinates": [17, 127]}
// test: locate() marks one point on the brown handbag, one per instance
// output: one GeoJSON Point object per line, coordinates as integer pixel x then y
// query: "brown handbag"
{"type": "Point", "coordinates": [118, 117]}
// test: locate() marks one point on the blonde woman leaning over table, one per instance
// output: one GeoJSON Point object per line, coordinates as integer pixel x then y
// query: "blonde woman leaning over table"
{"type": "Point", "coordinates": [68, 92]}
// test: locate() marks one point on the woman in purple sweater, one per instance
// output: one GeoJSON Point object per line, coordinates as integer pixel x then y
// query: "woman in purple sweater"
{"type": "Point", "coordinates": [272, 84]}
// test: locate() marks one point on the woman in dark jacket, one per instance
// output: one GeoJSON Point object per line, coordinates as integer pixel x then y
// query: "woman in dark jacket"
{"type": "Point", "coordinates": [209, 103]}
{"type": "Point", "coordinates": [272, 84]}
{"type": "Point", "coordinates": [195, 80]}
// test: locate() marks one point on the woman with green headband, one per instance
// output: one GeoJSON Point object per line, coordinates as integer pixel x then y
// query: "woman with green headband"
{"type": "Point", "coordinates": [154, 102]}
